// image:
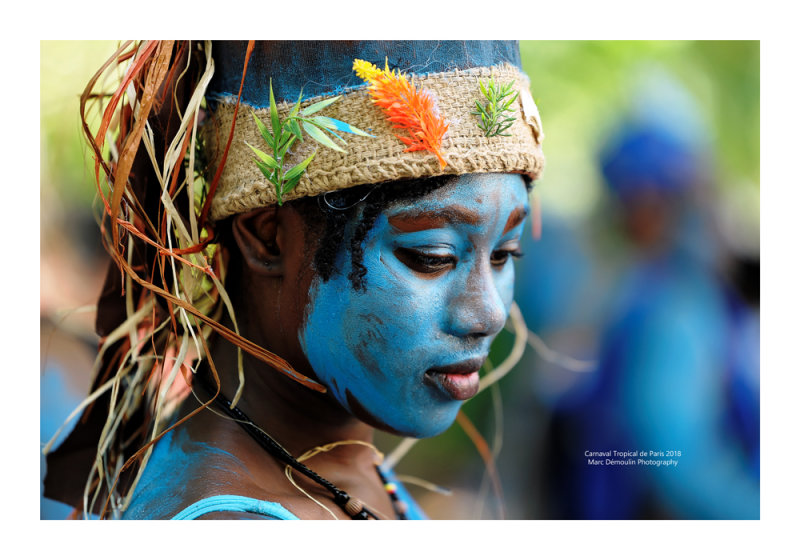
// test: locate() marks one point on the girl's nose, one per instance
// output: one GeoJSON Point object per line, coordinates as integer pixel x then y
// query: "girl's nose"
{"type": "Point", "coordinates": [478, 309]}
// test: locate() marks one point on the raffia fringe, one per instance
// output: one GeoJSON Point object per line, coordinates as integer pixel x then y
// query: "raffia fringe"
{"type": "Point", "coordinates": [242, 187]}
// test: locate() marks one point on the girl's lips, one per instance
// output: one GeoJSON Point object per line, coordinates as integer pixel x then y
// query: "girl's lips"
{"type": "Point", "coordinates": [459, 386]}
{"type": "Point", "coordinates": [458, 381]}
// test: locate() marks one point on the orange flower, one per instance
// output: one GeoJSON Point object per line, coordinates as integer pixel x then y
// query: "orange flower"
{"type": "Point", "coordinates": [406, 107]}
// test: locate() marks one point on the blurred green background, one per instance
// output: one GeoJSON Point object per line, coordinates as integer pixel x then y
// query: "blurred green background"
{"type": "Point", "coordinates": [581, 89]}
{"type": "Point", "coordinates": [66, 67]}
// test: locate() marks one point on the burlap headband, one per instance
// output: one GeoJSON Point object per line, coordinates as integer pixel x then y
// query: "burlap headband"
{"type": "Point", "coordinates": [370, 160]}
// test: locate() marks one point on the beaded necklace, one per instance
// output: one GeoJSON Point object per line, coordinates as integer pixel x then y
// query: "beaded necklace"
{"type": "Point", "coordinates": [399, 506]}
{"type": "Point", "coordinates": [354, 508]}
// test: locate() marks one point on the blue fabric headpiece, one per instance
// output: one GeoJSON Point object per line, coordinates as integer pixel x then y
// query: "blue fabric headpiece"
{"type": "Point", "coordinates": [326, 67]}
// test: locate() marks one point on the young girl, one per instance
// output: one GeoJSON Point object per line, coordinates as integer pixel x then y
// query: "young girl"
{"type": "Point", "coordinates": [328, 252]}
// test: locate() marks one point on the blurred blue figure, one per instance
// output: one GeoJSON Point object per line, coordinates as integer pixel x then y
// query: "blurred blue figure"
{"type": "Point", "coordinates": [554, 289]}
{"type": "Point", "coordinates": [678, 370]}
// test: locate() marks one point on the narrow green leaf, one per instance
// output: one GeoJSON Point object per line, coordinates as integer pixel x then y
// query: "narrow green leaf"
{"type": "Point", "coordinates": [513, 98]}
{"type": "Point", "coordinates": [319, 105]}
{"type": "Point", "coordinates": [502, 128]}
{"type": "Point", "coordinates": [286, 147]}
{"type": "Point", "coordinates": [266, 171]}
{"type": "Point", "coordinates": [341, 126]}
{"type": "Point", "coordinates": [333, 132]}
{"type": "Point", "coordinates": [285, 136]}
{"type": "Point", "coordinates": [320, 136]}
{"type": "Point", "coordinates": [266, 158]}
{"type": "Point", "coordinates": [262, 128]}
{"type": "Point", "coordinates": [298, 169]}
{"type": "Point", "coordinates": [294, 126]}
{"type": "Point", "coordinates": [296, 108]}
{"type": "Point", "coordinates": [273, 113]}
{"type": "Point", "coordinates": [289, 185]}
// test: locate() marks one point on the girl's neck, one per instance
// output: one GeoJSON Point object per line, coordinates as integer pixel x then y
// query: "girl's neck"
{"type": "Point", "coordinates": [297, 417]}
{"type": "Point", "coordinates": [310, 426]}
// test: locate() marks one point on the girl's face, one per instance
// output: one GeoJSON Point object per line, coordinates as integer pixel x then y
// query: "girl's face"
{"type": "Point", "coordinates": [404, 354]}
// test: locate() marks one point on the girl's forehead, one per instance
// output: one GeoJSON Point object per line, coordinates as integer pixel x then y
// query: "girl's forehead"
{"type": "Point", "coordinates": [468, 199]}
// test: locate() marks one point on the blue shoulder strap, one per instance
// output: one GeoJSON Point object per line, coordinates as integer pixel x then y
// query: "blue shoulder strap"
{"type": "Point", "coordinates": [235, 503]}
{"type": "Point", "coordinates": [275, 510]}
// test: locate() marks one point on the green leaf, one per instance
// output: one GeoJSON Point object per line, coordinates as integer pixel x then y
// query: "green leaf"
{"type": "Point", "coordinates": [341, 126]}
{"type": "Point", "coordinates": [297, 170]}
{"type": "Point", "coordinates": [289, 185]}
{"type": "Point", "coordinates": [286, 147]}
{"type": "Point", "coordinates": [266, 158]}
{"type": "Point", "coordinates": [320, 136]}
{"type": "Point", "coordinates": [273, 113]}
{"type": "Point", "coordinates": [262, 128]}
{"type": "Point", "coordinates": [268, 173]}
{"type": "Point", "coordinates": [294, 126]}
{"type": "Point", "coordinates": [501, 128]}
{"type": "Point", "coordinates": [319, 105]}
{"type": "Point", "coordinates": [285, 136]}
{"type": "Point", "coordinates": [296, 108]}
{"type": "Point", "coordinates": [331, 131]}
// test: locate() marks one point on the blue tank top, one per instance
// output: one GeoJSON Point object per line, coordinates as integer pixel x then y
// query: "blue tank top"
{"type": "Point", "coordinates": [274, 510]}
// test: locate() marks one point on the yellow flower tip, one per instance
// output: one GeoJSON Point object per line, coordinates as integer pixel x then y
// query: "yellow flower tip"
{"type": "Point", "coordinates": [365, 70]}
{"type": "Point", "coordinates": [440, 157]}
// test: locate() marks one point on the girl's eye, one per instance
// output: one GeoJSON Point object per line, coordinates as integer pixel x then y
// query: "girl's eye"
{"type": "Point", "coordinates": [424, 263]}
{"type": "Point", "coordinates": [500, 257]}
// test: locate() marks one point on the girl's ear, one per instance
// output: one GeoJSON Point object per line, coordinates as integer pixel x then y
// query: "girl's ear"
{"type": "Point", "coordinates": [256, 235]}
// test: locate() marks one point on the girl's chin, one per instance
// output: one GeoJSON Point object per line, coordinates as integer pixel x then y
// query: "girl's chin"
{"type": "Point", "coordinates": [422, 432]}
{"type": "Point", "coordinates": [428, 421]}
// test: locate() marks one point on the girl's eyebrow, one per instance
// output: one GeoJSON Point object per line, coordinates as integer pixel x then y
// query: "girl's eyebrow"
{"type": "Point", "coordinates": [420, 219]}
{"type": "Point", "coordinates": [516, 217]}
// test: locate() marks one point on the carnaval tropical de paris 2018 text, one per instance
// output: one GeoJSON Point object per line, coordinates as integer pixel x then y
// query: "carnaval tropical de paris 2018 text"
{"type": "Point", "coordinates": [647, 458]}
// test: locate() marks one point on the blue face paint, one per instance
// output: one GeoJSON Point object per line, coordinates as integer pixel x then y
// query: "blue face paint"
{"type": "Point", "coordinates": [439, 285]}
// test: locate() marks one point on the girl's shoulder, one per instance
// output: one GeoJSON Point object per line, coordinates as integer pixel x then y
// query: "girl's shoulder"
{"type": "Point", "coordinates": [187, 479]}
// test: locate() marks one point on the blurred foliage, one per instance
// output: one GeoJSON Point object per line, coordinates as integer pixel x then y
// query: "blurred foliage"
{"type": "Point", "coordinates": [583, 88]}
{"type": "Point", "coordinates": [65, 69]}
